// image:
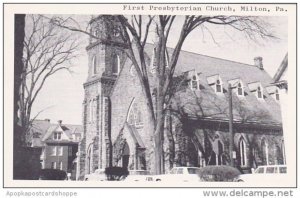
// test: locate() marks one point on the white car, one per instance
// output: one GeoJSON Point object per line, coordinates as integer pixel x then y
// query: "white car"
{"type": "Point", "coordinates": [98, 175]}
{"type": "Point", "coordinates": [140, 175]}
{"type": "Point", "coordinates": [264, 174]}
{"type": "Point", "coordinates": [182, 174]}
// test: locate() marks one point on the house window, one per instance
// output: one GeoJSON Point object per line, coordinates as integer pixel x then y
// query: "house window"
{"type": "Point", "coordinates": [53, 165]}
{"type": "Point", "coordinates": [53, 150]}
{"type": "Point", "coordinates": [94, 62]}
{"type": "Point", "coordinates": [259, 93]}
{"type": "Point", "coordinates": [115, 64]}
{"type": "Point", "coordinates": [243, 152]}
{"type": "Point", "coordinates": [70, 151]}
{"type": "Point", "coordinates": [218, 86]}
{"type": "Point", "coordinates": [60, 151]}
{"type": "Point", "coordinates": [57, 136]}
{"type": "Point", "coordinates": [277, 94]}
{"type": "Point", "coordinates": [240, 91]}
{"type": "Point", "coordinates": [60, 165]}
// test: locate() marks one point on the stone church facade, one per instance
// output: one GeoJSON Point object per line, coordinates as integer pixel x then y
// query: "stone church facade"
{"type": "Point", "coordinates": [115, 120]}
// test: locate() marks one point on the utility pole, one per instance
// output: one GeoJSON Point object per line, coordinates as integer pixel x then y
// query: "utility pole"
{"type": "Point", "coordinates": [231, 134]}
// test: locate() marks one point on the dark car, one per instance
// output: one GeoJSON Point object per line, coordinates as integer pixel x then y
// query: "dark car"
{"type": "Point", "coordinates": [52, 174]}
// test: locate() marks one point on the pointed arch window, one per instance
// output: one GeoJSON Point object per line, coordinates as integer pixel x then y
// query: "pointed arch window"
{"type": "Point", "coordinates": [220, 153]}
{"type": "Point", "coordinates": [115, 64]}
{"type": "Point", "coordinates": [265, 152]}
{"type": "Point", "coordinates": [217, 153]}
{"type": "Point", "coordinates": [135, 116]}
{"type": "Point", "coordinates": [243, 152]}
{"type": "Point", "coordinates": [94, 65]}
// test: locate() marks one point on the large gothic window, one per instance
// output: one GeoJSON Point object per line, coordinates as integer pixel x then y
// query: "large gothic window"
{"type": "Point", "coordinates": [135, 116]}
{"type": "Point", "coordinates": [115, 64]}
{"type": "Point", "coordinates": [264, 152]}
{"type": "Point", "coordinates": [243, 152]}
{"type": "Point", "coordinates": [217, 156]}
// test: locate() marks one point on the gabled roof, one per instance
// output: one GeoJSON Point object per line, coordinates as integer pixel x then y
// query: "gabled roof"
{"type": "Point", "coordinates": [206, 103]}
{"type": "Point", "coordinates": [45, 129]}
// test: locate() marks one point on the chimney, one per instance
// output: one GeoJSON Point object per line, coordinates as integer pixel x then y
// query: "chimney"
{"type": "Point", "coordinates": [258, 62]}
{"type": "Point", "coordinates": [59, 122]}
{"type": "Point", "coordinates": [47, 120]}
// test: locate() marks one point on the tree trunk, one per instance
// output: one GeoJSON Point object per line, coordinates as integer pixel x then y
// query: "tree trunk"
{"type": "Point", "coordinates": [18, 67]}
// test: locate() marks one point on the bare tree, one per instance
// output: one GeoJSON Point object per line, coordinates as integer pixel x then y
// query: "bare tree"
{"type": "Point", "coordinates": [251, 27]}
{"type": "Point", "coordinates": [47, 50]}
{"type": "Point", "coordinates": [136, 30]}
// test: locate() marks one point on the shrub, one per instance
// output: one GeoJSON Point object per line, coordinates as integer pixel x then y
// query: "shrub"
{"type": "Point", "coordinates": [218, 173]}
{"type": "Point", "coordinates": [116, 173]}
{"type": "Point", "coordinates": [52, 174]}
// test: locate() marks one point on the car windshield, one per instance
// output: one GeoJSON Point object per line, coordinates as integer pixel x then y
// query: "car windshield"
{"type": "Point", "coordinates": [173, 171]}
{"type": "Point", "coordinates": [260, 170]}
{"type": "Point", "coordinates": [282, 170]}
{"type": "Point", "coordinates": [270, 170]}
{"type": "Point", "coordinates": [180, 171]}
{"type": "Point", "coordinates": [193, 170]}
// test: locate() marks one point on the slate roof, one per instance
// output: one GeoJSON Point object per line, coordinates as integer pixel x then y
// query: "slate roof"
{"type": "Point", "coordinates": [206, 103]}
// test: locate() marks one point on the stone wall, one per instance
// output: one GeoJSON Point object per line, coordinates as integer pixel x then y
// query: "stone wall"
{"type": "Point", "coordinates": [207, 139]}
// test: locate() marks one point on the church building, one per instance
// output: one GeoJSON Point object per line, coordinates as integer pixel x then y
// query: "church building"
{"type": "Point", "coordinates": [116, 129]}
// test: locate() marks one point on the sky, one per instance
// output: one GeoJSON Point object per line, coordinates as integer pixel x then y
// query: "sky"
{"type": "Point", "coordinates": [62, 95]}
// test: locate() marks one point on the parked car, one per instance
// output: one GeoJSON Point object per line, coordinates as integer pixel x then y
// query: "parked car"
{"type": "Point", "coordinates": [52, 174]}
{"type": "Point", "coordinates": [140, 175]}
{"type": "Point", "coordinates": [222, 173]}
{"type": "Point", "coordinates": [181, 174]}
{"type": "Point", "coordinates": [265, 173]}
{"type": "Point", "coordinates": [98, 175]}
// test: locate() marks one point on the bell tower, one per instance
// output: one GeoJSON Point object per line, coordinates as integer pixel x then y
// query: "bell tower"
{"type": "Point", "coordinates": [106, 47]}
{"type": "Point", "coordinates": [105, 59]}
